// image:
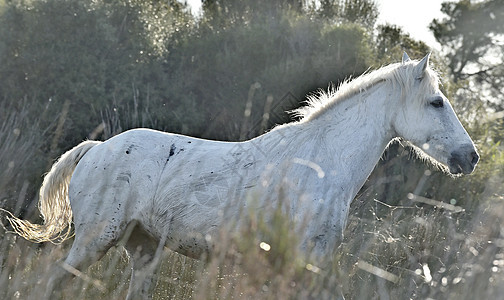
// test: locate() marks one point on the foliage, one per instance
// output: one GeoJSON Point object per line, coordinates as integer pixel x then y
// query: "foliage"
{"type": "Point", "coordinates": [391, 42]}
{"type": "Point", "coordinates": [472, 39]}
{"type": "Point", "coordinates": [219, 15]}
{"type": "Point", "coordinates": [285, 51]}
{"type": "Point", "coordinates": [91, 55]}
{"type": "Point", "coordinates": [19, 137]}
{"type": "Point", "coordinates": [362, 12]}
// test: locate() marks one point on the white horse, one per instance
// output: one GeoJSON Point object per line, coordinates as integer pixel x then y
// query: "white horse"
{"type": "Point", "coordinates": [154, 189]}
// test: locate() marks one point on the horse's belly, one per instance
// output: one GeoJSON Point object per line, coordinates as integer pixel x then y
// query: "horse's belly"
{"type": "Point", "coordinates": [193, 245]}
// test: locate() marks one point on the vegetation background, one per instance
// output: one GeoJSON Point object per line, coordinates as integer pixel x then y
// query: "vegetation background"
{"type": "Point", "coordinates": [71, 70]}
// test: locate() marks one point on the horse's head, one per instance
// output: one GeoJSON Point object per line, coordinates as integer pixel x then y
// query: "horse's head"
{"type": "Point", "coordinates": [428, 121]}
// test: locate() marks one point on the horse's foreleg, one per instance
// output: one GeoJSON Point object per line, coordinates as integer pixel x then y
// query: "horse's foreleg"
{"type": "Point", "coordinates": [145, 254]}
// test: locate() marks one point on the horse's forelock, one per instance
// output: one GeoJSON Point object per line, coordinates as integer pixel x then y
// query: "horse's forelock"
{"type": "Point", "coordinates": [405, 77]}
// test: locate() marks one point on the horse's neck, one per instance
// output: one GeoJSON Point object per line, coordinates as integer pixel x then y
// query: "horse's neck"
{"type": "Point", "coordinates": [348, 139]}
{"type": "Point", "coordinates": [362, 130]}
{"type": "Point", "coordinates": [323, 162]}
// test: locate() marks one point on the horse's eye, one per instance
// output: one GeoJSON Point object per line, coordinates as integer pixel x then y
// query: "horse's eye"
{"type": "Point", "coordinates": [438, 103]}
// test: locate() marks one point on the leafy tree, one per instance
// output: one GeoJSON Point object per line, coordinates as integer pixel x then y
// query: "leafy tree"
{"type": "Point", "coordinates": [391, 42]}
{"type": "Point", "coordinates": [164, 22]}
{"type": "Point", "coordinates": [329, 9]}
{"type": "Point", "coordinates": [84, 55]}
{"type": "Point", "coordinates": [287, 56]}
{"type": "Point", "coordinates": [222, 14]}
{"type": "Point", "coordinates": [472, 39]}
{"type": "Point", "coordinates": [363, 12]}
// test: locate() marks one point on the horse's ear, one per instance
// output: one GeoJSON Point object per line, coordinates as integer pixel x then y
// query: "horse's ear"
{"type": "Point", "coordinates": [422, 66]}
{"type": "Point", "coordinates": [405, 57]}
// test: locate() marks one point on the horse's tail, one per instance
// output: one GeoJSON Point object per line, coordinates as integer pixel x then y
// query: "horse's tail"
{"type": "Point", "coordinates": [54, 204]}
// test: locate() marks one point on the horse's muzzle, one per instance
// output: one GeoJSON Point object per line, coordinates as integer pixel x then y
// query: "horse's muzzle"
{"type": "Point", "coordinates": [463, 161]}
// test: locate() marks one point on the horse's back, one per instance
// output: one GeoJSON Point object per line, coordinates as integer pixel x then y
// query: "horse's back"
{"type": "Point", "coordinates": [167, 183]}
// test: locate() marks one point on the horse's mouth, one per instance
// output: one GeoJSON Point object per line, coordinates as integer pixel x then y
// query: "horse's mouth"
{"type": "Point", "coordinates": [463, 163]}
{"type": "Point", "coordinates": [458, 170]}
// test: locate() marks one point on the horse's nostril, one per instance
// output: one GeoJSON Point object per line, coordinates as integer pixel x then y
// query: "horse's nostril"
{"type": "Point", "coordinates": [474, 157]}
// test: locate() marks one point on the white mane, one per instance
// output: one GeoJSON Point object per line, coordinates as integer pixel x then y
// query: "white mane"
{"type": "Point", "coordinates": [398, 74]}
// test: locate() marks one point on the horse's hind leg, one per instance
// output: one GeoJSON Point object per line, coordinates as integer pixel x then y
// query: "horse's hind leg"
{"type": "Point", "coordinates": [145, 253]}
{"type": "Point", "coordinates": [86, 250]}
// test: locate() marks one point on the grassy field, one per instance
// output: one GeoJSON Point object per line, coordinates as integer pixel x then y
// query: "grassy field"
{"type": "Point", "coordinates": [413, 233]}
{"type": "Point", "coordinates": [405, 251]}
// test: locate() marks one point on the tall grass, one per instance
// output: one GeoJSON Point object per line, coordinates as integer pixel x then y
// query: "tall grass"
{"type": "Point", "coordinates": [20, 139]}
{"type": "Point", "coordinates": [428, 252]}
{"type": "Point", "coordinates": [412, 234]}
